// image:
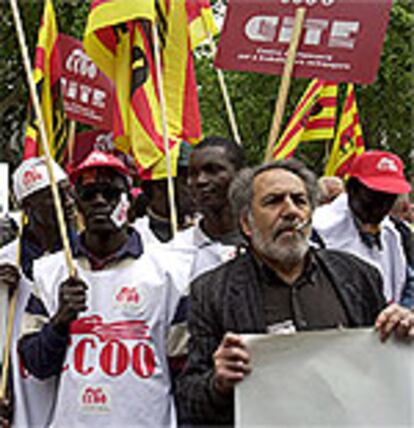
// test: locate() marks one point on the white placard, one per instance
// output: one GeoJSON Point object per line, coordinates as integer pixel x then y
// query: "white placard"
{"type": "Point", "coordinates": [328, 379]}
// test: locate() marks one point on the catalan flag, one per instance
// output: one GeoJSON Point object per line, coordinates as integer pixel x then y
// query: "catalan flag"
{"type": "Point", "coordinates": [349, 141]}
{"type": "Point", "coordinates": [121, 45]}
{"type": "Point", "coordinates": [46, 75]}
{"type": "Point", "coordinates": [313, 118]}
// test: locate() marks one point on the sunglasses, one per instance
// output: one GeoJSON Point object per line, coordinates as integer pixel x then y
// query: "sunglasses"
{"type": "Point", "coordinates": [89, 193]}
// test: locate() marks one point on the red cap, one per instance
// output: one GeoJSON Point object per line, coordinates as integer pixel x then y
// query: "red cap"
{"type": "Point", "coordinates": [380, 171]}
{"type": "Point", "coordinates": [99, 159]}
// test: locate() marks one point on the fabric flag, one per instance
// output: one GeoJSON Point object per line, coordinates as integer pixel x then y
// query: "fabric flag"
{"type": "Point", "coordinates": [46, 74]}
{"type": "Point", "coordinates": [118, 38]}
{"type": "Point", "coordinates": [313, 118]}
{"type": "Point", "coordinates": [349, 141]}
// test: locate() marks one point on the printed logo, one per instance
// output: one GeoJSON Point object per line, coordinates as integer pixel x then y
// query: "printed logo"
{"type": "Point", "coordinates": [80, 64]}
{"type": "Point", "coordinates": [95, 399]}
{"type": "Point", "coordinates": [112, 348]}
{"type": "Point", "coordinates": [31, 177]}
{"type": "Point", "coordinates": [387, 164]}
{"type": "Point", "coordinates": [129, 300]}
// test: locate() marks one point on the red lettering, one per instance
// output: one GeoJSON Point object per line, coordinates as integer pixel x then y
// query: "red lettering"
{"type": "Point", "coordinates": [79, 356]}
{"type": "Point", "coordinates": [114, 358]}
{"type": "Point", "coordinates": [143, 360]}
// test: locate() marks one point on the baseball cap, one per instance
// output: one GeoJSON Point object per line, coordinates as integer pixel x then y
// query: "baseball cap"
{"type": "Point", "coordinates": [99, 159]}
{"type": "Point", "coordinates": [381, 171]}
{"type": "Point", "coordinates": [32, 176]}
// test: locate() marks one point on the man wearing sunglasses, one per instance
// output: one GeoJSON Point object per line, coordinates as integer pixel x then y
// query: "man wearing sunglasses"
{"type": "Point", "coordinates": [104, 330]}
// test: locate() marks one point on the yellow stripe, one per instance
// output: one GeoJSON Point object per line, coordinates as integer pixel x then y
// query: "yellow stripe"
{"type": "Point", "coordinates": [117, 11]}
{"type": "Point", "coordinates": [175, 57]}
{"type": "Point", "coordinates": [198, 27]}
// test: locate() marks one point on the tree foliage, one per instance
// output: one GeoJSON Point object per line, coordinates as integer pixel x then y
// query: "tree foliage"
{"type": "Point", "coordinates": [385, 107]}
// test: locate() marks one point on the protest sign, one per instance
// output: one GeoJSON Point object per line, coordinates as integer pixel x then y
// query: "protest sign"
{"type": "Point", "coordinates": [87, 92]}
{"type": "Point", "coordinates": [339, 40]}
{"type": "Point", "coordinates": [331, 378]}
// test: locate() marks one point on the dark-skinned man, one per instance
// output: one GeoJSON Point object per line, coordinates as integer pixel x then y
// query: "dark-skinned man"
{"type": "Point", "coordinates": [279, 284]}
{"type": "Point", "coordinates": [103, 332]}
{"type": "Point", "coordinates": [358, 221]}
{"type": "Point", "coordinates": [215, 237]}
{"type": "Point", "coordinates": [155, 225]}
{"type": "Point", "coordinates": [33, 399]}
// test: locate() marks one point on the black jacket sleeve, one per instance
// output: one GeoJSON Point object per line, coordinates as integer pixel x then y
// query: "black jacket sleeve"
{"type": "Point", "coordinates": [198, 402]}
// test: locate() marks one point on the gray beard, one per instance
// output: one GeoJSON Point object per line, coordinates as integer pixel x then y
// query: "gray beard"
{"type": "Point", "coordinates": [287, 253]}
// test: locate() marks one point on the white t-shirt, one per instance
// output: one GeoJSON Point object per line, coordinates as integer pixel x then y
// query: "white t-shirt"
{"type": "Point", "coordinates": [115, 371]}
{"type": "Point", "coordinates": [335, 223]}
{"type": "Point", "coordinates": [34, 398]}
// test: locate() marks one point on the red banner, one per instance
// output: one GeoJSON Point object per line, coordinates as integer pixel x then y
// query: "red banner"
{"type": "Point", "coordinates": [341, 40]}
{"type": "Point", "coordinates": [87, 141]}
{"type": "Point", "coordinates": [87, 92]}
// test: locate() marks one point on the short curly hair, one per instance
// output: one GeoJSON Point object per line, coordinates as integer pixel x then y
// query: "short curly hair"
{"type": "Point", "coordinates": [241, 189]}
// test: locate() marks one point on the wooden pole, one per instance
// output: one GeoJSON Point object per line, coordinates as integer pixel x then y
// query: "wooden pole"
{"type": "Point", "coordinates": [223, 86]}
{"type": "Point", "coordinates": [285, 82]}
{"type": "Point", "coordinates": [10, 322]}
{"type": "Point", "coordinates": [43, 137]}
{"type": "Point", "coordinates": [170, 183]}
{"type": "Point", "coordinates": [71, 140]}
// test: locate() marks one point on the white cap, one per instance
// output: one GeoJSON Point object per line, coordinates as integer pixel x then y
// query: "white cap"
{"type": "Point", "coordinates": [32, 176]}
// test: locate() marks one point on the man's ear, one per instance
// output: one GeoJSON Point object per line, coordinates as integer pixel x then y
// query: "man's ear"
{"type": "Point", "coordinates": [245, 224]}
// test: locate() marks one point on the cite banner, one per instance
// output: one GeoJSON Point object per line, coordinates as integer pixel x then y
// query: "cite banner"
{"type": "Point", "coordinates": [341, 40]}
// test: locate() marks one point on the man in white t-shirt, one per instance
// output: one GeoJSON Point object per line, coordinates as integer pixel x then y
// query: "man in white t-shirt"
{"type": "Point", "coordinates": [33, 399]}
{"type": "Point", "coordinates": [103, 332]}
{"type": "Point", "coordinates": [215, 237]}
{"type": "Point", "coordinates": [358, 222]}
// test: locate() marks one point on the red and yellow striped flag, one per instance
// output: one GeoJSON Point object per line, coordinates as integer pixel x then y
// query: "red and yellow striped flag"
{"type": "Point", "coordinates": [349, 141]}
{"type": "Point", "coordinates": [121, 45]}
{"type": "Point", "coordinates": [313, 118]}
{"type": "Point", "coordinates": [46, 75]}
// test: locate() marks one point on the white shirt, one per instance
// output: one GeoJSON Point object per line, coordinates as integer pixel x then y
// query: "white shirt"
{"type": "Point", "coordinates": [34, 398]}
{"type": "Point", "coordinates": [115, 371]}
{"type": "Point", "coordinates": [336, 225]}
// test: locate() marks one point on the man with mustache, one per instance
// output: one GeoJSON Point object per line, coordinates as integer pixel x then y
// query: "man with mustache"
{"type": "Point", "coordinates": [279, 285]}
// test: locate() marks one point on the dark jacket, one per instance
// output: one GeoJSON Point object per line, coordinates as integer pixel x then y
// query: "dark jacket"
{"type": "Point", "coordinates": [228, 299]}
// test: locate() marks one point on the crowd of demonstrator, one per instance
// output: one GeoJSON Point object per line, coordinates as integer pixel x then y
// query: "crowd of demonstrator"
{"type": "Point", "coordinates": [147, 332]}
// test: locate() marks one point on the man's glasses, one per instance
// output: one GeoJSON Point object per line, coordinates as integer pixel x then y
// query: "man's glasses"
{"type": "Point", "coordinates": [89, 193]}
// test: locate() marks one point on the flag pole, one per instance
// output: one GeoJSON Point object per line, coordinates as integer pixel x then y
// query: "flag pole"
{"type": "Point", "coordinates": [222, 83]}
{"type": "Point", "coordinates": [285, 82]}
{"type": "Point", "coordinates": [170, 183]}
{"type": "Point", "coordinates": [71, 140]}
{"type": "Point", "coordinates": [43, 137]}
{"type": "Point", "coordinates": [10, 321]}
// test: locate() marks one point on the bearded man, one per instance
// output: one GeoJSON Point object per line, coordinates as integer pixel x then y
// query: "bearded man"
{"type": "Point", "coordinates": [278, 285]}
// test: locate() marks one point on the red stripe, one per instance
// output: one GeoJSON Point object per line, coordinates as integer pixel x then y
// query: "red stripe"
{"type": "Point", "coordinates": [327, 101]}
{"type": "Point", "coordinates": [31, 148]}
{"type": "Point", "coordinates": [312, 90]}
{"type": "Point", "coordinates": [97, 3]}
{"type": "Point", "coordinates": [320, 124]}
{"type": "Point", "coordinates": [191, 112]}
{"type": "Point", "coordinates": [40, 58]}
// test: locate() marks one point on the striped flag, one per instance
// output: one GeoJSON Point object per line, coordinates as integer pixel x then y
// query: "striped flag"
{"type": "Point", "coordinates": [313, 118]}
{"type": "Point", "coordinates": [349, 141]}
{"type": "Point", "coordinates": [46, 75]}
{"type": "Point", "coordinates": [118, 39]}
